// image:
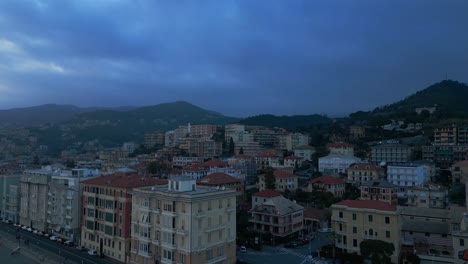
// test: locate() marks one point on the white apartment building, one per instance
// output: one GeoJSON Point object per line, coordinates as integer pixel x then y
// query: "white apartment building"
{"type": "Point", "coordinates": [333, 164]}
{"type": "Point", "coordinates": [410, 174]}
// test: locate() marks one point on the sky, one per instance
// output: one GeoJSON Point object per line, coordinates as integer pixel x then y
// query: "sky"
{"type": "Point", "coordinates": [236, 57]}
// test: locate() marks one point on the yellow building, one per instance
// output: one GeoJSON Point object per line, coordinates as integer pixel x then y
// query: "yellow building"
{"type": "Point", "coordinates": [283, 181]}
{"type": "Point", "coordinates": [357, 220]}
{"type": "Point", "coordinates": [183, 223]}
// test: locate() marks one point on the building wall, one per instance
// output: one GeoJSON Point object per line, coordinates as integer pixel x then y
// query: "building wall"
{"type": "Point", "coordinates": [33, 205]}
{"type": "Point", "coordinates": [391, 153]}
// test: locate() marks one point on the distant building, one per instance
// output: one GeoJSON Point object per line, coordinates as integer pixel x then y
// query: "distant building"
{"type": "Point", "coordinates": [154, 138]}
{"type": "Point", "coordinates": [428, 196]}
{"type": "Point", "coordinates": [341, 149]}
{"type": "Point", "coordinates": [445, 155]}
{"type": "Point", "coordinates": [460, 171]}
{"type": "Point", "coordinates": [203, 130]}
{"type": "Point", "coordinates": [410, 174]}
{"type": "Point", "coordinates": [379, 190]}
{"type": "Point", "coordinates": [335, 164]}
{"type": "Point", "coordinates": [294, 140]}
{"type": "Point", "coordinates": [220, 180]}
{"type": "Point", "coordinates": [329, 184]}
{"type": "Point", "coordinates": [261, 197]}
{"type": "Point", "coordinates": [129, 147]}
{"type": "Point", "coordinates": [431, 110]}
{"type": "Point", "coordinates": [184, 161]}
{"type": "Point", "coordinates": [362, 172]}
{"type": "Point", "coordinates": [7, 193]}
{"type": "Point", "coordinates": [391, 153]}
{"type": "Point", "coordinates": [269, 158]}
{"type": "Point", "coordinates": [446, 135]}
{"type": "Point", "coordinates": [306, 152]}
{"type": "Point", "coordinates": [12, 203]}
{"type": "Point", "coordinates": [283, 181]}
{"type": "Point", "coordinates": [357, 132]}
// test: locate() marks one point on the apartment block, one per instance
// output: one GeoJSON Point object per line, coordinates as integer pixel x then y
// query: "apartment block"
{"type": "Point", "coordinates": [428, 196]}
{"type": "Point", "coordinates": [379, 190]}
{"type": "Point", "coordinates": [12, 203]}
{"type": "Point", "coordinates": [5, 181]}
{"type": "Point", "coordinates": [183, 223]}
{"type": "Point", "coordinates": [335, 164]}
{"type": "Point", "coordinates": [460, 171]}
{"type": "Point", "coordinates": [363, 172]}
{"type": "Point", "coordinates": [154, 138]}
{"type": "Point", "coordinates": [106, 209]}
{"type": "Point", "coordinates": [294, 140]}
{"type": "Point", "coordinates": [446, 135]}
{"type": "Point", "coordinates": [357, 220]}
{"type": "Point", "coordinates": [410, 174]}
{"type": "Point", "coordinates": [327, 183]}
{"type": "Point", "coordinates": [341, 148]}
{"type": "Point", "coordinates": [391, 153]}
{"type": "Point", "coordinates": [283, 181]}
{"type": "Point", "coordinates": [305, 151]}
{"type": "Point", "coordinates": [203, 130]}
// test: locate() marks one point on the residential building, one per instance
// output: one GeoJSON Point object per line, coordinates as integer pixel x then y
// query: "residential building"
{"type": "Point", "coordinates": [222, 180]}
{"type": "Point", "coordinates": [107, 209]}
{"type": "Point", "coordinates": [305, 151]}
{"type": "Point", "coordinates": [328, 183]}
{"type": "Point", "coordinates": [445, 155]}
{"type": "Point", "coordinates": [184, 161]}
{"type": "Point", "coordinates": [335, 164]}
{"type": "Point", "coordinates": [129, 147]}
{"type": "Point", "coordinates": [12, 203]}
{"type": "Point", "coordinates": [419, 110]}
{"type": "Point", "coordinates": [428, 196]}
{"type": "Point", "coordinates": [246, 165]}
{"type": "Point", "coordinates": [391, 153]}
{"type": "Point", "coordinates": [234, 131]}
{"type": "Point", "coordinates": [293, 162]}
{"type": "Point", "coordinates": [264, 136]}
{"type": "Point", "coordinates": [183, 223]}
{"type": "Point", "coordinates": [379, 190]}
{"type": "Point", "coordinates": [446, 135]}
{"type": "Point", "coordinates": [154, 138]}
{"type": "Point", "coordinates": [294, 140]}
{"type": "Point", "coordinates": [357, 220]}
{"type": "Point", "coordinates": [341, 148]}
{"type": "Point", "coordinates": [357, 132]}
{"type": "Point", "coordinates": [278, 216]}
{"type": "Point", "coordinates": [410, 174]}
{"type": "Point", "coordinates": [202, 130]}
{"type": "Point", "coordinates": [460, 171]}
{"type": "Point", "coordinates": [5, 181]}
{"type": "Point", "coordinates": [283, 181]}
{"type": "Point", "coordinates": [262, 196]}
{"type": "Point", "coordinates": [269, 158]}
{"type": "Point", "coordinates": [462, 136]}
{"type": "Point", "coordinates": [250, 148]}
{"type": "Point", "coordinates": [427, 232]}
{"type": "Point", "coordinates": [362, 172]}
{"type": "Point", "coordinates": [172, 138]}
{"type": "Point", "coordinates": [460, 239]}
{"type": "Point", "coordinates": [204, 147]}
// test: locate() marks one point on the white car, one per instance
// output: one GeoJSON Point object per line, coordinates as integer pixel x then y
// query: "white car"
{"type": "Point", "coordinates": [29, 229]}
{"type": "Point", "coordinates": [92, 252]}
{"type": "Point", "coordinates": [53, 238]}
{"type": "Point", "coordinates": [24, 227]}
{"type": "Point", "coordinates": [243, 249]}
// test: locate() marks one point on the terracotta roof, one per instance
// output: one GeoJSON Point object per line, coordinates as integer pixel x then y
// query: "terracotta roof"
{"type": "Point", "coordinates": [362, 166]}
{"type": "Point", "coordinates": [282, 174]}
{"type": "Point", "coordinates": [218, 178]}
{"type": "Point", "coordinates": [270, 153]}
{"type": "Point", "coordinates": [293, 158]}
{"type": "Point", "coordinates": [194, 167]}
{"type": "Point", "coordinates": [267, 193]}
{"type": "Point", "coordinates": [125, 180]}
{"type": "Point", "coordinates": [327, 179]}
{"type": "Point", "coordinates": [368, 204]}
{"type": "Point", "coordinates": [314, 213]}
{"type": "Point", "coordinates": [242, 156]}
{"type": "Point", "coordinates": [338, 145]}
{"type": "Point", "coordinates": [214, 163]}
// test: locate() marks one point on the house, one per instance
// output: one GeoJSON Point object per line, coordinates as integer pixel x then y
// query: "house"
{"type": "Point", "coordinates": [283, 181]}
{"type": "Point", "coordinates": [262, 196]}
{"type": "Point", "coordinates": [269, 158]}
{"type": "Point", "coordinates": [335, 164]}
{"type": "Point", "coordinates": [293, 162]}
{"type": "Point", "coordinates": [305, 151]}
{"type": "Point", "coordinates": [428, 195]}
{"type": "Point", "coordinates": [410, 174]}
{"type": "Point", "coordinates": [379, 190]}
{"type": "Point", "coordinates": [328, 183]}
{"type": "Point", "coordinates": [220, 180]}
{"type": "Point", "coordinates": [278, 216]}
{"type": "Point", "coordinates": [357, 220]}
{"type": "Point", "coordinates": [341, 148]}
{"type": "Point", "coordinates": [460, 171]}
{"type": "Point", "coordinates": [363, 172]}
{"type": "Point", "coordinates": [182, 222]}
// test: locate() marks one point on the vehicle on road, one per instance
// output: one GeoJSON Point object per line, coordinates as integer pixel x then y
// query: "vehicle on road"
{"type": "Point", "coordinates": [24, 227]}
{"type": "Point", "coordinates": [60, 240]}
{"type": "Point", "coordinates": [81, 248]}
{"type": "Point", "coordinates": [243, 249]}
{"type": "Point", "coordinates": [69, 243]}
{"type": "Point", "coordinates": [92, 252]}
{"type": "Point", "coordinates": [29, 229]}
{"type": "Point", "coordinates": [53, 238]}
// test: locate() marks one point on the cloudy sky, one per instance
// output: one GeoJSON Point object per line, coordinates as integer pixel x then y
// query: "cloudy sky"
{"type": "Point", "coordinates": [237, 57]}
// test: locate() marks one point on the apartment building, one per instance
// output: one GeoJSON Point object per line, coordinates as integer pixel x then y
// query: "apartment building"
{"type": "Point", "coordinates": [445, 155]}
{"type": "Point", "coordinates": [261, 197]}
{"type": "Point", "coordinates": [203, 130]}
{"type": "Point", "coordinates": [460, 171]}
{"type": "Point", "coordinates": [5, 181]}
{"type": "Point", "coordinates": [380, 190]}
{"type": "Point", "coordinates": [278, 216]}
{"type": "Point", "coordinates": [33, 202]}
{"type": "Point", "coordinates": [391, 153]}
{"type": "Point", "coordinates": [246, 165]}
{"type": "Point", "coordinates": [283, 181]}
{"type": "Point", "coordinates": [410, 174]}
{"type": "Point", "coordinates": [327, 183]}
{"type": "Point", "coordinates": [446, 135]}
{"type": "Point", "coordinates": [357, 220]}
{"type": "Point", "coordinates": [220, 180]}
{"type": "Point", "coordinates": [341, 148]}
{"type": "Point", "coordinates": [236, 132]}
{"type": "Point", "coordinates": [335, 164]}
{"type": "Point", "coordinates": [184, 161]}
{"type": "Point", "coordinates": [294, 140]}
{"type": "Point", "coordinates": [269, 158]}
{"type": "Point", "coordinates": [183, 223]}
{"type": "Point", "coordinates": [292, 162]}
{"type": "Point", "coordinates": [363, 172]}
{"type": "Point", "coordinates": [12, 203]}
{"type": "Point", "coordinates": [154, 138]}
{"type": "Point", "coordinates": [107, 208]}
{"type": "Point", "coordinates": [305, 151]}
{"type": "Point", "coordinates": [357, 132]}
{"type": "Point", "coordinates": [428, 196]}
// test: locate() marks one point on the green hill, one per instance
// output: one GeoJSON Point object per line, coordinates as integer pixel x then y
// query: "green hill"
{"type": "Point", "coordinates": [288, 122]}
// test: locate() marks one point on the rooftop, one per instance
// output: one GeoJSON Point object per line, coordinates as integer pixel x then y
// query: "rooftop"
{"type": "Point", "coordinates": [282, 174]}
{"type": "Point", "coordinates": [281, 206]}
{"type": "Point", "coordinates": [218, 178]}
{"type": "Point", "coordinates": [125, 180]}
{"type": "Point", "coordinates": [367, 204]}
{"type": "Point", "coordinates": [267, 193]}
{"type": "Point", "coordinates": [327, 179]}
{"type": "Point", "coordinates": [214, 163]}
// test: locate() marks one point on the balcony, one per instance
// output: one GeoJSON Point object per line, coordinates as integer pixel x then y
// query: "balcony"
{"type": "Point", "coordinates": [216, 228]}
{"type": "Point", "coordinates": [182, 232]}
{"type": "Point", "coordinates": [51, 194]}
{"type": "Point", "coordinates": [69, 197]}
{"type": "Point", "coordinates": [68, 217]}
{"type": "Point", "coordinates": [146, 254]}
{"type": "Point", "coordinates": [50, 203]}
{"type": "Point", "coordinates": [169, 213]}
{"type": "Point", "coordinates": [68, 207]}
{"type": "Point", "coordinates": [338, 219]}
{"type": "Point", "coordinates": [200, 214]}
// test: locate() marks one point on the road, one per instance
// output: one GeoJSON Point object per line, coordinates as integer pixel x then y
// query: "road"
{"type": "Point", "coordinates": [67, 253]}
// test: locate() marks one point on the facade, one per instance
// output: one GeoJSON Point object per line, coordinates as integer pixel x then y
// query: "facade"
{"type": "Point", "coordinates": [184, 161]}
{"type": "Point", "coordinates": [355, 221]}
{"type": "Point", "coordinates": [33, 202]}
{"type": "Point", "coordinates": [293, 162]}
{"type": "Point", "coordinates": [294, 140]}
{"type": "Point", "coordinates": [246, 165]}
{"type": "Point", "coordinates": [391, 153]}
{"type": "Point", "coordinates": [183, 223]}
{"type": "Point", "coordinates": [410, 174]}
{"type": "Point", "coordinates": [428, 196]}
{"type": "Point", "coordinates": [445, 155]}
{"type": "Point", "coordinates": [460, 171]}
{"type": "Point", "coordinates": [335, 164]}
{"type": "Point", "coordinates": [269, 158]}
{"type": "Point", "coordinates": [278, 216]}
{"type": "Point", "coordinates": [154, 138]}
{"type": "Point", "coordinates": [204, 130]}
{"type": "Point", "coordinates": [363, 172]}
{"type": "Point", "coordinates": [329, 184]}
{"type": "Point", "coordinates": [250, 148]}
{"type": "Point", "coordinates": [234, 131]}
{"type": "Point", "coordinates": [446, 135]}
{"type": "Point", "coordinates": [341, 149]}
{"type": "Point", "coordinates": [379, 190]}
{"type": "Point", "coordinates": [261, 197]}
{"type": "Point", "coordinates": [107, 208]}
{"type": "Point", "coordinates": [306, 152]}
{"type": "Point", "coordinates": [357, 132]}
{"type": "Point", "coordinates": [5, 181]}
{"type": "Point", "coordinates": [12, 203]}
{"type": "Point", "coordinates": [283, 181]}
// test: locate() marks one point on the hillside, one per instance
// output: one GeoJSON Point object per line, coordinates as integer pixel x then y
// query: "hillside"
{"type": "Point", "coordinates": [288, 122]}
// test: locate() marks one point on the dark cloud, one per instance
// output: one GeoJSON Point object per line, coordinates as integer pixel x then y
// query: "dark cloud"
{"type": "Point", "coordinates": [238, 57]}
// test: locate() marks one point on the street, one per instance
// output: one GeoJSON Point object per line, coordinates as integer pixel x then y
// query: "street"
{"type": "Point", "coordinates": [67, 254]}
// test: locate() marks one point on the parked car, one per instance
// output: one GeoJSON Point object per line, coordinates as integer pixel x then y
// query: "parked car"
{"type": "Point", "coordinates": [92, 252]}
{"type": "Point", "coordinates": [53, 238]}
{"type": "Point", "coordinates": [243, 249]}
{"type": "Point", "coordinates": [29, 229]}
{"type": "Point", "coordinates": [47, 235]}
{"type": "Point", "coordinates": [24, 227]}
{"type": "Point", "coordinates": [81, 248]}
{"type": "Point", "coordinates": [69, 243]}
{"type": "Point", "coordinates": [60, 240]}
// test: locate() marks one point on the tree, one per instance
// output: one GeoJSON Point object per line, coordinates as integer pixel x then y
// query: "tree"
{"type": "Point", "coordinates": [270, 181]}
{"type": "Point", "coordinates": [156, 167]}
{"type": "Point", "coordinates": [241, 151]}
{"type": "Point", "coordinates": [232, 147]}
{"type": "Point", "coordinates": [377, 251]}
{"type": "Point", "coordinates": [70, 164]}
{"type": "Point", "coordinates": [457, 193]}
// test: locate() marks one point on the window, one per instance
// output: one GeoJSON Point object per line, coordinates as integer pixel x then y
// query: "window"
{"type": "Point", "coordinates": [387, 234]}
{"type": "Point", "coordinates": [462, 242]}
{"type": "Point", "coordinates": [354, 230]}
{"type": "Point", "coordinates": [387, 220]}
{"type": "Point", "coordinates": [370, 218]}
{"type": "Point", "coordinates": [341, 214]}
{"type": "Point", "coordinates": [354, 242]}
{"type": "Point", "coordinates": [354, 216]}
{"type": "Point", "coordinates": [220, 251]}
{"type": "Point", "coordinates": [209, 254]}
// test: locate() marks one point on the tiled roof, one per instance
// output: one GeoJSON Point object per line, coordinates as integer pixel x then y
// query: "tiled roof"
{"type": "Point", "coordinates": [282, 174]}
{"type": "Point", "coordinates": [270, 153]}
{"type": "Point", "coordinates": [368, 204]}
{"type": "Point", "coordinates": [339, 145]}
{"type": "Point", "coordinates": [314, 213]}
{"type": "Point", "coordinates": [327, 179]}
{"type": "Point", "coordinates": [281, 206]}
{"type": "Point", "coordinates": [125, 180]}
{"type": "Point", "coordinates": [293, 158]}
{"type": "Point", "coordinates": [242, 156]}
{"type": "Point", "coordinates": [218, 178]}
{"type": "Point", "coordinates": [267, 193]}
{"type": "Point", "coordinates": [214, 163]}
{"type": "Point", "coordinates": [365, 166]}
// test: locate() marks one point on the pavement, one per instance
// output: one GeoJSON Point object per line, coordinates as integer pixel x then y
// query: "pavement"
{"type": "Point", "coordinates": [279, 254]}
{"type": "Point", "coordinates": [49, 249]}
